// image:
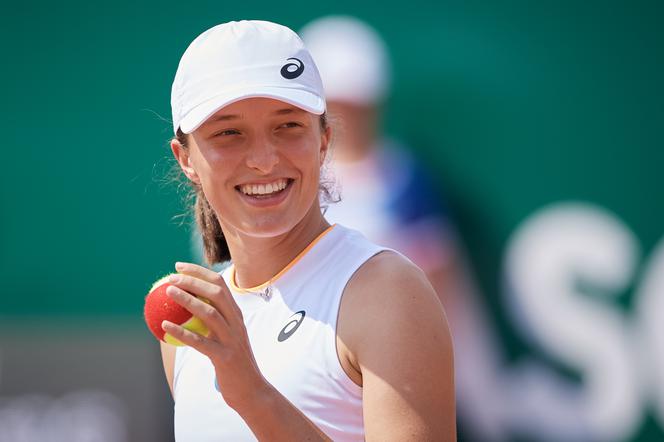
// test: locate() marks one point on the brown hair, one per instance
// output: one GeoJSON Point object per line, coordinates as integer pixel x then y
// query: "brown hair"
{"type": "Point", "coordinates": [214, 243]}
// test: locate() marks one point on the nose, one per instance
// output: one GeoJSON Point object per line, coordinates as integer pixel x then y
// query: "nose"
{"type": "Point", "coordinates": [262, 155]}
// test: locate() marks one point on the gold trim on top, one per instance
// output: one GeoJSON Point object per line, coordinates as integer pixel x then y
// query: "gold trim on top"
{"type": "Point", "coordinates": [300, 255]}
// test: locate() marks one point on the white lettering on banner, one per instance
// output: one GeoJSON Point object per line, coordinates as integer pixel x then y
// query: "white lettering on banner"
{"type": "Point", "coordinates": [551, 257]}
{"type": "Point", "coordinates": [649, 336]}
{"type": "Point", "coordinates": [79, 416]}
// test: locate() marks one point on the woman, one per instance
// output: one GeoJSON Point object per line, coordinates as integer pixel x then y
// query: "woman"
{"type": "Point", "coordinates": [315, 333]}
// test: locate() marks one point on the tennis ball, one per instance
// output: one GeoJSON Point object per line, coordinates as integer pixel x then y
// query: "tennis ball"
{"type": "Point", "coordinates": [159, 307]}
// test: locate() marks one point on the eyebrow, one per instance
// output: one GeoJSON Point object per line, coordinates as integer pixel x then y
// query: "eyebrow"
{"type": "Point", "coordinates": [226, 117]}
{"type": "Point", "coordinates": [284, 111]}
{"type": "Point", "coordinates": [288, 110]}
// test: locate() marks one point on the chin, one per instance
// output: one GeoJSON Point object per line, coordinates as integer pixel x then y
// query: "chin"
{"type": "Point", "coordinates": [268, 227]}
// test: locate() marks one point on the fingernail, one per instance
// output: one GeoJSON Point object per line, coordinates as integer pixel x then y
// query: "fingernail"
{"type": "Point", "coordinates": [174, 279]}
{"type": "Point", "coordinates": [179, 265]}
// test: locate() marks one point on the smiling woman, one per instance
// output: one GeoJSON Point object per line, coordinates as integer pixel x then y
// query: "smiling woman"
{"type": "Point", "coordinates": [315, 333]}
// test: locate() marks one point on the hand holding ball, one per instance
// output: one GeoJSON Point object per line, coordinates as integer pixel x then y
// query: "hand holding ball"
{"type": "Point", "coordinates": [159, 307]}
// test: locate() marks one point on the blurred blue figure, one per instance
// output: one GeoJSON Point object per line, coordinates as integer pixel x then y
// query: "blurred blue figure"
{"type": "Point", "coordinates": [392, 199]}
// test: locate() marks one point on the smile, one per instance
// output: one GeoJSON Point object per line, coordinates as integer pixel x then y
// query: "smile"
{"type": "Point", "coordinates": [265, 189]}
{"type": "Point", "coordinates": [265, 194]}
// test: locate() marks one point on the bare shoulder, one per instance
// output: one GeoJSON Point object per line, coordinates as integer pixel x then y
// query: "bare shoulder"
{"type": "Point", "coordinates": [395, 335]}
{"type": "Point", "coordinates": [389, 283]}
{"type": "Point", "coordinates": [393, 268]}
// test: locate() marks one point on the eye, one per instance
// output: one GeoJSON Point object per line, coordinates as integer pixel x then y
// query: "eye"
{"type": "Point", "coordinates": [226, 132]}
{"type": "Point", "coordinates": [291, 124]}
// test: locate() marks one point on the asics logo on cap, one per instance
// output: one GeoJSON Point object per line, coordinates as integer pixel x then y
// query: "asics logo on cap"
{"type": "Point", "coordinates": [292, 325]}
{"type": "Point", "coordinates": [292, 70]}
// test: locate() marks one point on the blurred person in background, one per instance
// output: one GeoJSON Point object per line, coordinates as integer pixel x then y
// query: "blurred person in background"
{"type": "Point", "coordinates": [390, 196]}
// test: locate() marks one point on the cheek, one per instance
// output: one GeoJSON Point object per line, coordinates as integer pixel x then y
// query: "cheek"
{"type": "Point", "coordinates": [307, 152]}
{"type": "Point", "coordinates": [212, 178]}
{"type": "Point", "coordinates": [309, 162]}
{"type": "Point", "coordinates": [311, 178]}
{"type": "Point", "coordinates": [211, 166]}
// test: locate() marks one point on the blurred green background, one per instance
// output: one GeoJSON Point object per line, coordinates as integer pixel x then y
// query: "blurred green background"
{"type": "Point", "coordinates": [515, 105]}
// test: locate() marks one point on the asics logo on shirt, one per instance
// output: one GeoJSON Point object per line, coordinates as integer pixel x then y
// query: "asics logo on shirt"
{"type": "Point", "coordinates": [292, 70]}
{"type": "Point", "coordinates": [291, 326]}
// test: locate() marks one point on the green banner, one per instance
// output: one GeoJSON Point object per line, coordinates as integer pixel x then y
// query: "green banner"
{"type": "Point", "coordinates": [542, 121]}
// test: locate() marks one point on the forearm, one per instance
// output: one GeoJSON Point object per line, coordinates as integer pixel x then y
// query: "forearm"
{"type": "Point", "coordinates": [272, 417]}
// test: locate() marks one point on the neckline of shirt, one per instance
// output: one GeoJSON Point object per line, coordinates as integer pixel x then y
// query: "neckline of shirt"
{"type": "Point", "coordinates": [259, 288]}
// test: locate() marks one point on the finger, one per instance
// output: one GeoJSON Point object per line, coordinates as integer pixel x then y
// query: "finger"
{"type": "Point", "coordinates": [207, 313]}
{"type": "Point", "coordinates": [200, 272]}
{"type": "Point", "coordinates": [187, 337]}
{"type": "Point", "coordinates": [210, 276]}
{"type": "Point", "coordinates": [218, 295]}
{"type": "Point", "coordinates": [196, 286]}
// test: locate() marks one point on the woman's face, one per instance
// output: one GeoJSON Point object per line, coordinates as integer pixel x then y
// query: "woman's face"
{"type": "Point", "coordinates": [258, 161]}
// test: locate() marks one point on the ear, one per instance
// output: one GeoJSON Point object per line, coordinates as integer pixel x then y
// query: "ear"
{"type": "Point", "coordinates": [181, 154]}
{"type": "Point", "coordinates": [326, 136]}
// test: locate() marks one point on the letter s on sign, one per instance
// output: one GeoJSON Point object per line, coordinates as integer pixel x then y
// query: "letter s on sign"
{"type": "Point", "coordinates": [549, 255]}
{"type": "Point", "coordinates": [650, 329]}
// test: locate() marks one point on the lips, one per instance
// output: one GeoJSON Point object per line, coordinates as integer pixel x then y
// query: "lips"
{"type": "Point", "coordinates": [266, 193]}
{"type": "Point", "coordinates": [263, 189]}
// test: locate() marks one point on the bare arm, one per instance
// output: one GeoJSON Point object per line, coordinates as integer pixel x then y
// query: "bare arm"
{"type": "Point", "coordinates": [272, 417]}
{"type": "Point", "coordinates": [168, 359]}
{"type": "Point", "coordinates": [395, 329]}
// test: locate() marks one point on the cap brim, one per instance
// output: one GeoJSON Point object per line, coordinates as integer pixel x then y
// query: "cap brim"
{"type": "Point", "coordinates": [308, 101]}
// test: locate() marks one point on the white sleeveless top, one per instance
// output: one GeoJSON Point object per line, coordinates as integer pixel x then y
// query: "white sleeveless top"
{"type": "Point", "coordinates": [291, 324]}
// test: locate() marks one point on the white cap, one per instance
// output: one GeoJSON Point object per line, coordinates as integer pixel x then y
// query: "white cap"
{"type": "Point", "coordinates": [239, 60]}
{"type": "Point", "coordinates": [352, 59]}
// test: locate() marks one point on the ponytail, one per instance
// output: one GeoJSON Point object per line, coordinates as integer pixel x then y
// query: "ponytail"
{"type": "Point", "coordinates": [214, 243]}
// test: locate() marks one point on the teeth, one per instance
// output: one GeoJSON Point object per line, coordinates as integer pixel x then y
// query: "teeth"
{"type": "Point", "coordinates": [263, 189]}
